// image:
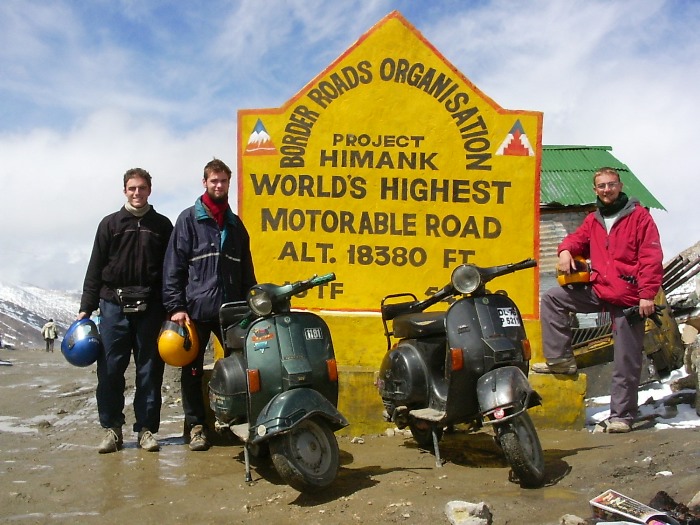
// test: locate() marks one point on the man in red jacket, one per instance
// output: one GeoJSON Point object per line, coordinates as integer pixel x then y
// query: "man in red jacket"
{"type": "Point", "coordinates": [622, 242]}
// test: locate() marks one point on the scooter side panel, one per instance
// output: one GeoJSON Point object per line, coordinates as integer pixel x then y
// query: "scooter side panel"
{"type": "Point", "coordinates": [306, 349]}
{"type": "Point", "coordinates": [262, 352]}
{"type": "Point", "coordinates": [463, 331]}
{"type": "Point", "coordinates": [228, 389]}
{"type": "Point", "coordinates": [290, 351]}
{"type": "Point", "coordinates": [489, 330]}
{"type": "Point", "coordinates": [412, 371]}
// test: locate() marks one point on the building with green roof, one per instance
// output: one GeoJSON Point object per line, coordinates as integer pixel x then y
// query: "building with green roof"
{"type": "Point", "coordinates": [567, 176]}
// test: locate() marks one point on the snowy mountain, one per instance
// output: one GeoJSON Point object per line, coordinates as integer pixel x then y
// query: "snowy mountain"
{"type": "Point", "coordinates": [25, 308]}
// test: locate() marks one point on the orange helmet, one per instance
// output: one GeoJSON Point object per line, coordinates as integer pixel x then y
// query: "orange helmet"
{"type": "Point", "coordinates": [582, 274]}
{"type": "Point", "coordinates": [177, 345]}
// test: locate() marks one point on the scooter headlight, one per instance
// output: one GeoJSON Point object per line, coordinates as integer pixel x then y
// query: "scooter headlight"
{"type": "Point", "coordinates": [259, 301]}
{"type": "Point", "coordinates": [466, 278]}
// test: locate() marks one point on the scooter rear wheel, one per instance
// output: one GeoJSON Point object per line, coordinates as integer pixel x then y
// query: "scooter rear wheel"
{"type": "Point", "coordinates": [306, 457]}
{"type": "Point", "coordinates": [521, 446]}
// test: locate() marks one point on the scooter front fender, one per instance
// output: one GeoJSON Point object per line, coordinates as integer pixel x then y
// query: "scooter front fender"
{"type": "Point", "coordinates": [286, 410]}
{"type": "Point", "coordinates": [505, 388]}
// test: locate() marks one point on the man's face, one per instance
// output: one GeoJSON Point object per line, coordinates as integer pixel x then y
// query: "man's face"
{"type": "Point", "coordinates": [607, 187]}
{"type": "Point", "coordinates": [217, 185]}
{"type": "Point", "coordinates": [137, 192]}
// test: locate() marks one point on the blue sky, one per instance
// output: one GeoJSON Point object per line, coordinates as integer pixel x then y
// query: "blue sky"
{"type": "Point", "coordinates": [90, 89]}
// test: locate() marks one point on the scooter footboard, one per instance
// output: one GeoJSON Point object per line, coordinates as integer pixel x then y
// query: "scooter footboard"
{"type": "Point", "coordinates": [505, 389]}
{"type": "Point", "coordinates": [287, 409]}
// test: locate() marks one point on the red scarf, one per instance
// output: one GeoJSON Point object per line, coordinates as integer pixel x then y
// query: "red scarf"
{"type": "Point", "coordinates": [217, 209]}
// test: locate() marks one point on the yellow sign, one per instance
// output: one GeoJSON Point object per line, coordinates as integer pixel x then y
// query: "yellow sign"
{"type": "Point", "coordinates": [389, 168]}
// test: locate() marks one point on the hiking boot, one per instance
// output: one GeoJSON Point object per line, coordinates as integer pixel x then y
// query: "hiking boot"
{"type": "Point", "coordinates": [112, 441]}
{"type": "Point", "coordinates": [198, 441]}
{"type": "Point", "coordinates": [565, 366]}
{"type": "Point", "coordinates": [618, 427]}
{"type": "Point", "coordinates": [147, 441]}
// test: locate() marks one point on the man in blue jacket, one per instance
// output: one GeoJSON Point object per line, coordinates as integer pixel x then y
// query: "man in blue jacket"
{"type": "Point", "coordinates": [207, 263]}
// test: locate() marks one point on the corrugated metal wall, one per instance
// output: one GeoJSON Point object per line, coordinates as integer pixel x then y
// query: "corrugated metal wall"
{"type": "Point", "coordinates": [554, 226]}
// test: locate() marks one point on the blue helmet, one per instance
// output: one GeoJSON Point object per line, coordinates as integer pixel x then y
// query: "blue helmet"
{"type": "Point", "coordinates": [82, 343]}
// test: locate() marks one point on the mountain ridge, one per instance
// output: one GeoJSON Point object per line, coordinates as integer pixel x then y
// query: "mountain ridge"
{"type": "Point", "coordinates": [24, 308]}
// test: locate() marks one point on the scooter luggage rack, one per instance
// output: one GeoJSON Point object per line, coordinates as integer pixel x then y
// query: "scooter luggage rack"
{"type": "Point", "coordinates": [409, 318]}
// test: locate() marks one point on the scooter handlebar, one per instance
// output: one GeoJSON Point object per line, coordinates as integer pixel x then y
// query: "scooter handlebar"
{"type": "Point", "coordinates": [522, 265]}
{"type": "Point", "coordinates": [307, 284]}
{"type": "Point", "coordinates": [322, 279]}
{"type": "Point", "coordinates": [497, 271]}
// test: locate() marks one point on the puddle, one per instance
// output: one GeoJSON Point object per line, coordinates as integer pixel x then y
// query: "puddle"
{"type": "Point", "coordinates": [7, 424]}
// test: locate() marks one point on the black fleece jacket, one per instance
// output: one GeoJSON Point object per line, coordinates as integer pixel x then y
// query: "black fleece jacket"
{"type": "Point", "coordinates": [128, 251]}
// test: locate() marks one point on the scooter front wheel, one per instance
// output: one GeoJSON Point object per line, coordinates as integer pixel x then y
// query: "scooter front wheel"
{"type": "Point", "coordinates": [521, 446]}
{"type": "Point", "coordinates": [306, 457]}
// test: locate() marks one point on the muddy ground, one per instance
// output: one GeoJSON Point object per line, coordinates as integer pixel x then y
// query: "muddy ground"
{"type": "Point", "coordinates": [50, 471]}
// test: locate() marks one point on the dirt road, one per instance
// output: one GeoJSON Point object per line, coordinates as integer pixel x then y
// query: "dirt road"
{"type": "Point", "coordinates": [50, 471]}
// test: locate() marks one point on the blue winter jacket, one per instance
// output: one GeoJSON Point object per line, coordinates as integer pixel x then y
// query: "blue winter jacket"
{"type": "Point", "coordinates": [204, 266]}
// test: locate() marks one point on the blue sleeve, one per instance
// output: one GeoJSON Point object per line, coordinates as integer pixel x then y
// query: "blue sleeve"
{"type": "Point", "coordinates": [175, 266]}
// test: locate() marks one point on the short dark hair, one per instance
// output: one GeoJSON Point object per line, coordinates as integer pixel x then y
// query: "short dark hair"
{"type": "Point", "coordinates": [137, 172]}
{"type": "Point", "coordinates": [216, 166]}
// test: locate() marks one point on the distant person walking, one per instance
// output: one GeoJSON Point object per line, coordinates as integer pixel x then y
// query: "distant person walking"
{"type": "Point", "coordinates": [124, 279]}
{"type": "Point", "coordinates": [49, 333]}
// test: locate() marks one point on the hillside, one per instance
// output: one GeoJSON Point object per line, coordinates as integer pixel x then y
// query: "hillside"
{"type": "Point", "coordinates": [25, 308]}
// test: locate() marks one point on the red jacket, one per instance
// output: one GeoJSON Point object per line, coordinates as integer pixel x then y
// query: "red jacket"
{"type": "Point", "coordinates": [627, 263]}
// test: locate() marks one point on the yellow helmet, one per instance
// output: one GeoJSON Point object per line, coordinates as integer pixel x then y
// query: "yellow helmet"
{"type": "Point", "coordinates": [177, 345]}
{"type": "Point", "coordinates": [581, 275]}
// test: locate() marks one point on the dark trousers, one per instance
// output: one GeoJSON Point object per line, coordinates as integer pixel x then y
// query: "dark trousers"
{"type": "Point", "coordinates": [628, 342]}
{"type": "Point", "coordinates": [122, 334]}
{"type": "Point", "coordinates": [191, 376]}
{"type": "Point", "coordinates": [49, 345]}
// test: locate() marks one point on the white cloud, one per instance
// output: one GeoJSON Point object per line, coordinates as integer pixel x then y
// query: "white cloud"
{"type": "Point", "coordinates": [620, 74]}
{"type": "Point", "coordinates": [90, 90]}
{"type": "Point", "coordinates": [61, 185]}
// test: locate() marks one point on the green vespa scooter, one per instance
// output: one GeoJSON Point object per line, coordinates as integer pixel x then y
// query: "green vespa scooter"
{"type": "Point", "coordinates": [278, 389]}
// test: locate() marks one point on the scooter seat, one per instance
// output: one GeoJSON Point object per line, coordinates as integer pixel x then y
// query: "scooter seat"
{"type": "Point", "coordinates": [419, 325]}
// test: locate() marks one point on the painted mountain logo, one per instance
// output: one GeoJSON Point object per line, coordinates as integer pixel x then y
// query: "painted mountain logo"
{"type": "Point", "coordinates": [259, 142]}
{"type": "Point", "coordinates": [516, 143]}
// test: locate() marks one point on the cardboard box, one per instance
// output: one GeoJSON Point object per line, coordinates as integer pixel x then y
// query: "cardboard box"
{"type": "Point", "coordinates": [613, 505]}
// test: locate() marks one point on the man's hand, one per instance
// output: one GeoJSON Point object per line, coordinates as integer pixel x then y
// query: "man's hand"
{"type": "Point", "coordinates": [646, 307]}
{"type": "Point", "coordinates": [566, 262]}
{"type": "Point", "coordinates": [180, 318]}
{"type": "Point", "coordinates": [633, 313]}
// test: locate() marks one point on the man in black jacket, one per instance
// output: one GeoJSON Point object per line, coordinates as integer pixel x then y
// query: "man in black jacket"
{"type": "Point", "coordinates": [208, 263]}
{"type": "Point", "coordinates": [124, 279]}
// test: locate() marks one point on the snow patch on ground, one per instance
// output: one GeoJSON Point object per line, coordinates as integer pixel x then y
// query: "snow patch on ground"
{"type": "Point", "coordinates": [685, 417]}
